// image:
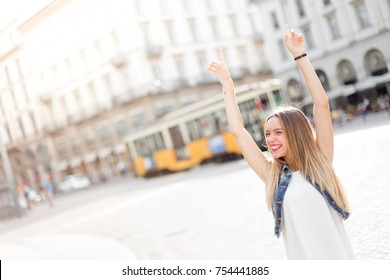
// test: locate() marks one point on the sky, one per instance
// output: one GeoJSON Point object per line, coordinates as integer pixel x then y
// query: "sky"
{"type": "Point", "coordinates": [11, 9]}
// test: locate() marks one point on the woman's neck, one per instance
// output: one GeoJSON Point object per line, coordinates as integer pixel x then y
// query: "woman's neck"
{"type": "Point", "coordinates": [293, 166]}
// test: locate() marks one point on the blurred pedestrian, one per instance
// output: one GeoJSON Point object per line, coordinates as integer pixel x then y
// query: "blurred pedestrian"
{"type": "Point", "coordinates": [302, 190]}
{"type": "Point", "coordinates": [28, 194]}
{"type": "Point", "coordinates": [47, 190]}
{"type": "Point", "coordinates": [121, 166]}
{"type": "Point", "coordinates": [363, 108]}
{"type": "Point", "coordinates": [386, 101]}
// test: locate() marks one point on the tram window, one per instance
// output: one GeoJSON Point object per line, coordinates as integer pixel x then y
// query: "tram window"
{"type": "Point", "coordinates": [194, 130]}
{"type": "Point", "coordinates": [222, 122]}
{"type": "Point", "coordinates": [142, 147]}
{"type": "Point", "coordinates": [208, 126]}
{"type": "Point", "coordinates": [277, 97]}
{"type": "Point", "coordinates": [177, 137]}
{"type": "Point", "coordinates": [159, 141]}
{"type": "Point", "coordinates": [266, 106]}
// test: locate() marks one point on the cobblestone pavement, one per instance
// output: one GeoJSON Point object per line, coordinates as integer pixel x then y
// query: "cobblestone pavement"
{"type": "Point", "coordinates": [210, 212]}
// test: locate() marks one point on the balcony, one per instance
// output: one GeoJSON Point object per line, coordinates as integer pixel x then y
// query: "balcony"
{"type": "Point", "coordinates": [119, 60]}
{"type": "Point", "coordinates": [258, 37]}
{"type": "Point", "coordinates": [153, 51]}
{"type": "Point", "coordinates": [122, 98]}
{"type": "Point", "coordinates": [46, 98]}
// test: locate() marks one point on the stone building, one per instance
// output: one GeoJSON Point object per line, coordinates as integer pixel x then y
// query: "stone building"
{"type": "Point", "coordinates": [78, 75]}
{"type": "Point", "coordinates": [347, 42]}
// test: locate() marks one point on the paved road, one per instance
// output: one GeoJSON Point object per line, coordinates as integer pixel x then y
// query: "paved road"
{"type": "Point", "coordinates": [210, 212]}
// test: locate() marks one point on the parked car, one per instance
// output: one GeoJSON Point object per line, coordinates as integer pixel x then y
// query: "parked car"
{"type": "Point", "coordinates": [74, 182]}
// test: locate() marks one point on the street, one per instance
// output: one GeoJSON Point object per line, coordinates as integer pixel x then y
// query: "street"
{"type": "Point", "coordinates": [212, 212]}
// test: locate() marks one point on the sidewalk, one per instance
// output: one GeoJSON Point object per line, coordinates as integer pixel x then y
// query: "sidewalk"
{"type": "Point", "coordinates": [373, 119]}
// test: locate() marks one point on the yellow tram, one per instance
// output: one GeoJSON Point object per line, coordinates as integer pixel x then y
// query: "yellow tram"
{"type": "Point", "coordinates": [198, 133]}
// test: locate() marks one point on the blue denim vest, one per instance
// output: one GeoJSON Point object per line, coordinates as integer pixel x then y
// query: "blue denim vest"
{"type": "Point", "coordinates": [277, 204]}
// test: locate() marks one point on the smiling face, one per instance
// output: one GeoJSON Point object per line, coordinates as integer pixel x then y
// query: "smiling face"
{"type": "Point", "coordinates": [276, 138]}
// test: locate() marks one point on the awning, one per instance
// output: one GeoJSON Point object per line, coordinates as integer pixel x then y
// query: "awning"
{"type": "Point", "coordinates": [366, 83]}
{"type": "Point", "coordinates": [373, 81]}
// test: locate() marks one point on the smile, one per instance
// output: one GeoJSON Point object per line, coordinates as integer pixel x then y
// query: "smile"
{"type": "Point", "coordinates": [276, 148]}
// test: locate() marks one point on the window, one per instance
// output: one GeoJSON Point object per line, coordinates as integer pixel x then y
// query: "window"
{"type": "Point", "coordinates": [294, 90]}
{"type": "Point", "coordinates": [301, 10]}
{"type": "Point", "coordinates": [89, 136]}
{"type": "Point", "coordinates": [121, 127]}
{"type": "Point", "coordinates": [9, 134]}
{"type": "Point", "coordinates": [92, 93]}
{"type": "Point", "coordinates": [61, 148]}
{"type": "Point", "coordinates": [139, 7]}
{"type": "Point", "coordinates": [243, 57]}
{"type": "Point", "coordinates": [274, 20]}
{"type": "Point", "coordinates": [139, 119]}
{"type": "Point", "coordinates": [282, 49]}
{"type": "Point", "coordinates": [213, 22]}
{"type": "Point", "coordinates": [34, 124]}
{"type": "Point", "coordinates": [115, 40]}
{"type": "Point", "coordinates": [201, 60]}
{"type": "Point", "coordinates": [156, 72]}
{"type": "Point", "coordinates": [334, 27]}
{"type": "Point", "coordinates": [346, 73]}
{"type": "Point", "coordinates": [20, 122]}
{"type": "Point", "coordinates": [108, 84]}
{"type": "Point", "coordinates": [362, 14]}
{"type": "Point", "coordinates": [323, 79]}
{"type": "Point", "coordinates": [75, 144]}
{"type": "Point", "coordinates": [63, 105]}
{"type": "Point", "coordinates": [68, 66]}
{"type": "Point", "coordinates": [25, 91]}
{"type": "Point", "coordinates": [209, 5]}
{"type": "Point", "coordinates": [19, 68]}
{"type": "Point", "coordinates": [193, 29]}
{"type": "Point", "coordinates": [277, 97]}
{"type": "Point", "coordinates": [83, 58]}
{"type": "Point", "coordinates": [165, 8]}
{"type": "Point", "coordinates": [187, 6]}
{"type": "Point", "coordinates": [327, 2]}
{"type": "Point", "coordinates": [234, 24]}
{"type": "Point", "coordinates": [308, 37]}
{"type": "Point", "coordinates": [375, 63]}
{"type": "Point", "coordinates": [180, 67]}
{"type": "Point", "coordinates": [104, 134]}
{"type": "Point", "coordinates": [171, 34]}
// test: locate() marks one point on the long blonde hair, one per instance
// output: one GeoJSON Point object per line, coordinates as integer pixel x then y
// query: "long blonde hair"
{"type": "Point", "coordinates": [306, 155]}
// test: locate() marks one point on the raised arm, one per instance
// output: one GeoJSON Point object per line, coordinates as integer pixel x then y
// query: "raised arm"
{"type": "Point", "coordinates": [322, 118]}
{"type": "Point", "coordinates": [251, 152]}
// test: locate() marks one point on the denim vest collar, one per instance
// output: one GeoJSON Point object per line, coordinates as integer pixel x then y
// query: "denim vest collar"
{"type": "Point", "coordinates": [280, 191]}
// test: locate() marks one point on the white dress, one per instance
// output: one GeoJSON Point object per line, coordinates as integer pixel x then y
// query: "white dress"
{"type": "Point", "coordinates": [311, 228]}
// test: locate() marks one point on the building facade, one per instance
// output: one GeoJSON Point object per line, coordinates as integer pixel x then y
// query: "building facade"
{"type": "Point", "coordinates": [347, 42]}
{"type": "Point", "coordinates": [78, 75]}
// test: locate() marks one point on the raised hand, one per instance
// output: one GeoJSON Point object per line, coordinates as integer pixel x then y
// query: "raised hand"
{"type": "Point", "coordinates": [294, 42]}
{"type": "Point", "coordinates": [220, 70]}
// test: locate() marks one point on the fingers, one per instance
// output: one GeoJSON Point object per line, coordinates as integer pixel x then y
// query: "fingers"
{"type": "Point", "coordinates": [287, 29]}
{"type": "Point", "coordinates": [292, 35]}
{"type": "Point", "coordinates": [214, 66]}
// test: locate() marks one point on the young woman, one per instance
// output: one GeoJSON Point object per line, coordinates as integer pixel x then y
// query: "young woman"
{"type": "Point", "coordinates": [302, 190]}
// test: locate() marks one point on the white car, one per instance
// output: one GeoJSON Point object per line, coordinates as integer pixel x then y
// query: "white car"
{"type": "Point", "coordinates": [74, 182]}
